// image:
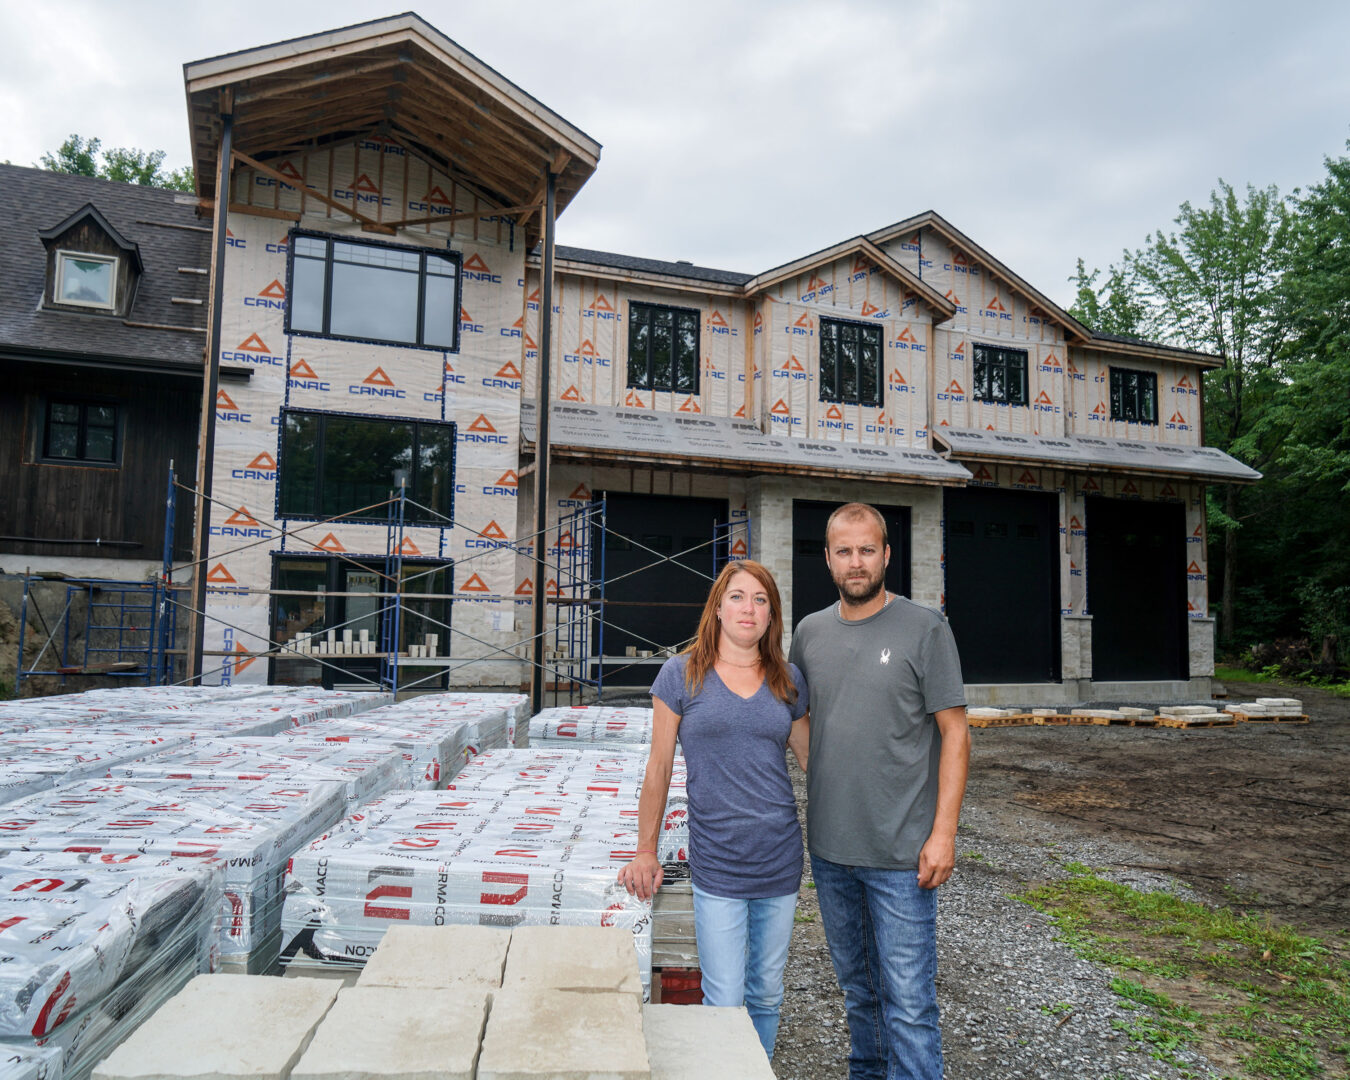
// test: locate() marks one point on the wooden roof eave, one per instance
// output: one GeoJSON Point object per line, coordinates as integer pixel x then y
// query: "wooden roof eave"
{"type": "Point", "coordinates": [1143, 350]}
{"type": "Point", "coordinates": [639, 277]}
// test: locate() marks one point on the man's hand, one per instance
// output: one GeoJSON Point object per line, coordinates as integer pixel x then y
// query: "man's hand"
{"type": "Point", "coordinates": [937, 859]}
{"type": "Point", "coordinates": [644, 874]}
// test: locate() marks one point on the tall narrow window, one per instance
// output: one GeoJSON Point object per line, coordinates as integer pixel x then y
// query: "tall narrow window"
{"type": "Point", "coordinates": [383, 293]}
{"type": "Point", "coordinates": [662, 348]}
{"type": "Point", "coordinates": [1134, 396]}
{"type": "Point", "coordinates": [80, 431]}
{"type": "Point", "coordinates": [1000, 375]}
{"type": "Point", "coordinates": [850, 362]}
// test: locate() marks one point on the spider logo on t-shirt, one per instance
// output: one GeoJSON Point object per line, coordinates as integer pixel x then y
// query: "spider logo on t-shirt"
{"type": "Point", "coordinates": [885, 656]}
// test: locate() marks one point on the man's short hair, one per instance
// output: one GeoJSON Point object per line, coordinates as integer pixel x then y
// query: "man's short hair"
{"type": "Point", "coordinates": [852, 512]}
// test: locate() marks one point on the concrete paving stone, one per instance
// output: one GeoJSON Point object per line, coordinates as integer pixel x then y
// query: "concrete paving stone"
{"type": "Point", "coordinates": [398, 1033]}
{"type": "Point", "coordinates": [1281, 703]}
{"type": "Point", "coordinates": [223, 1027]}
{"type": "Point", "coordinates": [1046, 712]}
{"type": "Point", "coordinates": [687, 1042]}
{"type": "Point", "coordinates": [579, 958]}
{"type": "Point", "coordinates": [989, 712]}
{"type": "Point", "coordinates": [1126, 710]}
{"type": "Point", "coordinates": [536, 1034]}
{"type": "Point", "coordinates": [1184, 710]}
{"type": "Point", "coordinates": [438, 956]}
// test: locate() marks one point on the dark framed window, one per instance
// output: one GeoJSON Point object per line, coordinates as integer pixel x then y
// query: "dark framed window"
{"type": "Point", "coordinates": [1134, 396]}
{"type": "Point", "coordinates": [663, 348]}
{"type": "Point", "coordinates": [389, 294]}
{"type": "Point", "coordinates": [334, 464]}
{"type": "Point", "coordinates": [850, 362]}
{"type": "Point", "coordinates": [84, 431]}
{"type": "Point", "coordinates": [1000, 375]}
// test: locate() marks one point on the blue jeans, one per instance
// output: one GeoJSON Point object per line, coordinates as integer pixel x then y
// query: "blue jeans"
{"type": "Point", "coordinates": [882, 931]}
{"type": "Point", "coordinates": [742, 949]}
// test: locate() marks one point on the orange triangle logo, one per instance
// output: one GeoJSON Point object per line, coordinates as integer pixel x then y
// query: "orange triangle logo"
{"type": "Point", "coordinates": [633, 401]}
{"type": "Point", "coordinates": [300, 369]}
{"type": "Point", "coordinates": [983, 474]}
{"type": "Point", "coordinates": [581, 491]}
{"type": "Point", "coordinates": [482, 424]}
{"type": "Point", "coordinates": [1194, 568]}
{"type": "Point", "coordinates": [509, 371]}
{"type": "Point", "coordinates": [1070, 366]}
{"type": "Point", "coordinates": [739, 548]}
{"type": "Point", "coordinates": [1052, 361]}
{"type": "Point", "coordinates": [519, 324]}
{"type": "Point", "coordinates": [960, 350]}
{"type": "Point", "coordinates": [475, 262]}
{"type": "Point", "coordinates": [690, 405]}
{"type": "Point", "coordinates": [1100, 410]}
{"type": "Point", "coordinates": [600, 303]}
{"type": "Point", "coordinates": [815, 283]}
{"type": "Point", "coordinates": [1168, 491]}
{"type": "Point", "coordinates": [364, 183]}
{"type": "Point", "coordinates": [550, 587]}
{"type": "Point", "coordinates": [834, 413]}
{"type": "Point", "coordinates": [408, 547]}
{"type": "Point", "coordinates": [1074, 523]}
{"type": "Point", "coordinates": [1185, 383]}
{"type": "Point", "coordinates": [1091, 485]}
{"type": "Point", "coordinates": [493, 531]}
{"type": "Point", "coordinates": [897, 379]}
{"type": "Point", "coordinates": [1044, 399]}
{"type": "Point", "coordinates": [715, 319]}
{"type": "Point", "coordinates": [474, 584]}
{"type": "Point", "coordinates": [780, 408]}
{"type": "Point", "coordinates": [223, 401]}
{"type": "Point", "coordinates": [740, 412]}
{"type": "Point", "coordinates": [464, 315]}
{"type": "Point", "coordinates": [525, 588]}
{"type": "Point", "coordinates": [989, 427]}
{"type": "Point", "coordinates": [287, 169]}
{"type": "Point", "coordinates": [220, 575]}
{"type": "Point", "coordinates": [792, 364]}
{"type": "Point", "coordinates": [1190, 606]}
{"type": "Point", "coordinates": [436, 195]}
{"type": "Point", "coordinates": [378, 378]}
{"type": "Point", "coordinates": [533, 298]}
{"type": "Point", "coordinates": [229, 235]}
{"type": "Point", "coordinates": [995, 305]}
{"type": "Point", "coordinates": [241, 517]}
{"type": "Point", "coordinates": [869, 308]}
{"type": "Point", "coordinates": [239, 648]}
{"type": "Point", "coordinates": [565, 541]}
{"type": "Point", "coordinates": [958, 258]}
{"type": "Point", "coordinates": [951, 295]}
{"type": "Point", "coordinates": [329, 543]}
{"type": "Point", "coordinates": [1026, 477]}
{"type": "Point", "coordinates": [906, 335]}
{"type": "Point", "coordinates": [1177, 418]}
{"type": "Point", "coordinates": [861, 265]}
{"type": "Point", "coordinates": [275, 291]}
{"type": "Point", "coordinates": [263, 461]}
{"type": "Point", "coordinates": [586, 348]}
{"type": "Point", "coordinates": [1129, 488]}
{"type": "Point", "coordinates": [805, 321]}
{"type": "Point", "coordinates": [508, 479]}
{"type": "Point", "coordinates": [1199, 531]}
{"type": "Point", "coordinates": [759, 320]}
{"type": "Point", "coordinates": [253, 343]}
{"type": "Point", "coordinates": [571, 394]}
{"type": "Point", "coordinates": [448, 369]}
{"type": "Point", "coordinates": [529, 343]}
{"type": "Point", "coordinates": [954, 387]}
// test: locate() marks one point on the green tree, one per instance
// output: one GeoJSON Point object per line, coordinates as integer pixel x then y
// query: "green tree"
{"type": "Point", "coordinates": [1112, 308]}
{"type": "Point", "coordinates": [80, 156]}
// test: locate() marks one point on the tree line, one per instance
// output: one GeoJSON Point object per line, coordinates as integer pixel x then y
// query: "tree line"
{"type": "Point", "coordinates": [1262, 281]}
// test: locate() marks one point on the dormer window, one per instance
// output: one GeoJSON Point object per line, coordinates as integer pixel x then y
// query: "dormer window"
{"type": "Point", "coordinates": [86, 280]}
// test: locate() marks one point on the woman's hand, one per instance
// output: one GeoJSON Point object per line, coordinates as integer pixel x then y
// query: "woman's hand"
{"type": "Point", "coordinates": [642, 876]}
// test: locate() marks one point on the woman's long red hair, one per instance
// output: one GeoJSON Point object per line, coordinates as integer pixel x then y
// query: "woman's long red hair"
{"type": "Point", "coordinates": [702, 651]}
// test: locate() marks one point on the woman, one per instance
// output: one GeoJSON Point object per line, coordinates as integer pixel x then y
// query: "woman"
{"type": "Point", "coordinates": [734, 702]}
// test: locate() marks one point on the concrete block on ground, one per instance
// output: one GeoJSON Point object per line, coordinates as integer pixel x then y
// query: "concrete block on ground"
{"type": "Point", "coordinates": [1185, 710]}
{"type": "Point", "coordinates": [693, 1043]}
{"type": "Point", "coordinates": [1249, 708]}
{"type": "Point", "coordinates": [398, 1033]}
{"type": "Point", "coordinates": [1292, 704]}
{"type": "Point", "coordinates": [1132, 712]}
{"type": "Point", "coordinates": [554, 1034]}
{"type": "Point", "coordinates": [1046, 712]}
{"type": "Point", "coordinates": [438, 956]}
{"type": "Point", "coordinates": [1110, 714]}
{"type": "Point", "coordinates": [982, 712]}
{"type": "Point", "coordinates": [579, 958]}
{"type": "Point", "coordinates": [223, 1027]}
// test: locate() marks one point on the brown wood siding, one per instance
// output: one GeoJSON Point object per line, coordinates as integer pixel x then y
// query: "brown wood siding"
{"type": "Point", "coordinates": [87, 238]}
{"type": "Point", "coordinates": [157, 418]}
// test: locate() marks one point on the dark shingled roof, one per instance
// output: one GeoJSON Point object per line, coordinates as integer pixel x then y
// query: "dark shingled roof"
{"type": "Point", "coordinates": [1129, 339]}
{"type": "Point", "coordinates": [32, 200]}
{"type": "Point", "coordinates": [650, 266]}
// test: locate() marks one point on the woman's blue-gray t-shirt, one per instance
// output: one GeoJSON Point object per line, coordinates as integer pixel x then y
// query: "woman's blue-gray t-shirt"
{"type": "Point", "coordinates": [744, 839]}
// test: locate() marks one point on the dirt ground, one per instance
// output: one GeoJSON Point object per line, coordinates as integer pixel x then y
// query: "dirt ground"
{"type": "Point", "coordinates": [1255, 816]}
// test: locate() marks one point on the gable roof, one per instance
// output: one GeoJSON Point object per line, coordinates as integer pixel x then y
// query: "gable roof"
{"type": "Point", "coordinates": [90, 211]}
{"type": "Point", "coordinates": [164, 229]}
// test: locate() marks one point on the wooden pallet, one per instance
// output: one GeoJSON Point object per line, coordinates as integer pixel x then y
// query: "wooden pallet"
{"type": "Point", "coordinates": [1136, 721]}
{"type": "Point", "coordinates": [1186, 722]}
{"type": "Point", "coordinates": [1291, 719]}
{"type": "Point", "coordinates": [1019, 720]}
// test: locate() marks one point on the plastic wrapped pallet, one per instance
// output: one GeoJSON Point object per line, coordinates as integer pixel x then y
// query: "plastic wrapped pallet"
{"type": "Point", "coordinates": [19, 1062]}
{"type": "Point", "coordinates": [252, 827]}
{"type": "Point", "coordinates": [93, 944]}
{"type": "Point", "coordinates": [487, 727]}
{"type": "Point", "coordinates": [516, 706]}
{"type": "Point", "coordinates": [432, 750]}
{"type": "Point", "coordinates": [584, 725]}
{"type": "Point", "coordinates": [366, 771]}
{"type": "Point", "coordinates": [430, 858]}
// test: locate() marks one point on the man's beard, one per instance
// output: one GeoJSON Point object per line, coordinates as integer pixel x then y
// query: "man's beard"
{"type": "Point", "coordinates": [859, 591]}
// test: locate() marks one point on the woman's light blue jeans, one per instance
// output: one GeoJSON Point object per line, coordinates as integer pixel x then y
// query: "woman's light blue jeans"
{"type": "Point", "coordinates": [742, 949]}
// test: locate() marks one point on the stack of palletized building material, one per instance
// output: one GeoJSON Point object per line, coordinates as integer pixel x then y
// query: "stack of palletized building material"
{"type": "Point", "coordinates": [252, 827]}
{"type": "Point", "coordinates": [589, 725]}
{"type": "Point", "coordinates": [91, 946]}
{"type": "Point", "coordinates": [516, 706]}
{"type": "Point", "coordinates": [39, 759]}
{"type": "Point", "coordinates": [430, 751]}
{"type": "Point", "coordinates": [527, 837]}
{"type": "Point", "coordinates": [487, 724]}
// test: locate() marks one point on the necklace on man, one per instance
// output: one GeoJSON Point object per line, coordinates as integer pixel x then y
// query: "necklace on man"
{"type": "Point", "coordinates": [884, 604]}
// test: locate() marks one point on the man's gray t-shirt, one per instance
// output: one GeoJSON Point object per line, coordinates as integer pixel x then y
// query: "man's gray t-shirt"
{"type": "Point", "coordinates": [871, 781]}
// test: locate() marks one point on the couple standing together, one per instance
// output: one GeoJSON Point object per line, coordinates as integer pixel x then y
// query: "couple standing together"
{"type": "Point", "coordinates": [871, 703]}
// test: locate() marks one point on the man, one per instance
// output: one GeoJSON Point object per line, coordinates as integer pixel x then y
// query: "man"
{"type": "Point", "coordinates": [888, 756]}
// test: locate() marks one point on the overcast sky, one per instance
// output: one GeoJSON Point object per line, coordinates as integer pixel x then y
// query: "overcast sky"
{"type": "Point", "coordinates": [745, 133]}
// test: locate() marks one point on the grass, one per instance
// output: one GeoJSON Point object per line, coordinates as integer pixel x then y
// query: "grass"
{"type": "Point", "coordinates": [1233, 674]}
{"type": "Point", "coordinates": [1273, 1001]}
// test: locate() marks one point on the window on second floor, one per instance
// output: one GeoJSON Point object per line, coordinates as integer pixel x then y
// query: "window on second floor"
{"type": "Point", "coordinates": [385, 293]}
{"type": "Point", "coordinates": [86, 280]}
{"type": "Point", "coordinates": [1134, 396]}
{"type": "Point", "coordinates": [663, 348]}
{"type": "Point", "coordinates": [850, 362]}
{"type": "Point", "coordinates": [80, 431]}
{"type": "Point", "coordinates": [1000, 375]}
{"type": "Point", "coordinates": [333, 464]}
